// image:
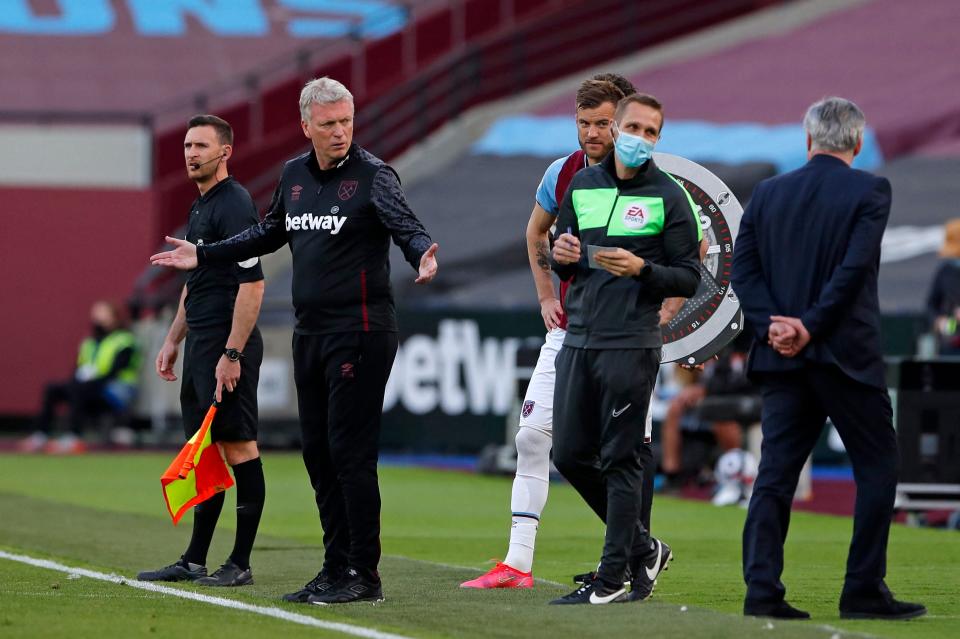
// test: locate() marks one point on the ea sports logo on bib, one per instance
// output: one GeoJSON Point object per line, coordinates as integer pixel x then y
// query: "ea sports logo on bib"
{"type": "Point", "coordinates": [636, 216]}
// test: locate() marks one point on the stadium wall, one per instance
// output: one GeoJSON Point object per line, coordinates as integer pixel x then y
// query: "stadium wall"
{"type": "Point", "coordinates": [81, 155]}
{"type": "Point", "coordinates": [62, 249]}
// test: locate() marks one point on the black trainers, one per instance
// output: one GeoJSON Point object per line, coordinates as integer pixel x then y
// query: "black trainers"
{"type": "Point", "coordinates": [227, 575]}
{"type": "Point", "coordinates": [777, 610]}
{"type": "Point", "coordinates": [583, 578]}
{"type": "Point", "coordinates": [592, 591]}
{"type": "Point", "coordinates": [324, 581]}
{"type": "Point", "coordinates": [179, 571]}
{"type": "Point", "coordinates": [351, 587]}
{"type": "Point", "coordinates": [644, 572]}
{"type": "Point", "coordinates": [879, 605]}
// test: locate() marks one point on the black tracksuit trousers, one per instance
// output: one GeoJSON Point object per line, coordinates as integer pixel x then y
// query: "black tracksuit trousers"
{"type": "Point", "coordinates": [600, 407]}
{"type": "Point", "coordinates": [340, 380]}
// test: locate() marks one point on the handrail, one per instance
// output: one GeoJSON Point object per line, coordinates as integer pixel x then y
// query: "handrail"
{"type": "Point", "coordinates": [306, 58]}
{"type": "Point", "coordinates": [248, 84]}
{"type": "Point", "coordinates": [494, 66]}
{"type": "Point", "coordinates": [490, 66]}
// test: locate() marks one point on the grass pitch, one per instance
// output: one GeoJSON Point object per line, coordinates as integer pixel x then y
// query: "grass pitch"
{"type": "Point", "coordinates": [105, 512]}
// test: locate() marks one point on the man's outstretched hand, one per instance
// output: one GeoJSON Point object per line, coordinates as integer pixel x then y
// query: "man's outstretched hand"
{"type": "Point", "coordinates": [183, 256]}
{"type": "Point", "coordinates": [428, 264]}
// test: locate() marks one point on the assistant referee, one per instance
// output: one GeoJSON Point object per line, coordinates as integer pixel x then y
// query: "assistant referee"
{"type": "Point", "coordinates": [217, 315]}
{"type": "Point", "coordinates": [337, 206]}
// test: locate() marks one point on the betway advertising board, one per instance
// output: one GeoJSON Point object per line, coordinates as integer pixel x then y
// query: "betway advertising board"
{"type": "Point", "coordinates": [453, 387]}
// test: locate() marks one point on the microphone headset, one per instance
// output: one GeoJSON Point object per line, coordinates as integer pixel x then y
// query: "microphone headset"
{"type": "Point", "coordinates": [197, 165]}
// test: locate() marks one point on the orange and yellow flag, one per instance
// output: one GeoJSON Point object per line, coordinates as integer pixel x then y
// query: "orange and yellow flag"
{"type": "Point", "coordinates": [197, 474]}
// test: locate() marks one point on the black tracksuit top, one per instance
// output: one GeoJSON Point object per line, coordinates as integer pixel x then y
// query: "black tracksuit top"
{"type": "Point", "coordinates": [651, 216]}
{"type": "Point", "coordinates": [338, 224]}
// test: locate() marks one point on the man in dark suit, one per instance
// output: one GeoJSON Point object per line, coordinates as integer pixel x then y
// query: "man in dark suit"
{"type": "Point", "coordinates": [805, 268]}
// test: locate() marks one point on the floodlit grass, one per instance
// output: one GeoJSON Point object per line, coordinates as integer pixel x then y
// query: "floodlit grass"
{"type": "Point", "coordinates": [106, 512]}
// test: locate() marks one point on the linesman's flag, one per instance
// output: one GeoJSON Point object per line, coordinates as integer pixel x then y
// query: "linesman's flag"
{"type": "Point", "coordinates": [197, 474]}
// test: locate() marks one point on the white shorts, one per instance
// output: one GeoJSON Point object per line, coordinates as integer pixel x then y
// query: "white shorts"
{"type": "Point", "coordinates": [537, 409]}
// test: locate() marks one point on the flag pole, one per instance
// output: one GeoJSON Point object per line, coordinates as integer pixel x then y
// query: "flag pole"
{"type": "Point", "coordinates": [198, 441]}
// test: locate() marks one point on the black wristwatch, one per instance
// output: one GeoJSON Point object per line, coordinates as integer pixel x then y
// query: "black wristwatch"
{"type": "Point", "coordinates": [233, 354]}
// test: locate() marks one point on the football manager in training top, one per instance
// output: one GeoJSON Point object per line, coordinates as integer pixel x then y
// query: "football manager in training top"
{"type": "Point", "coordinates": [337, 206]}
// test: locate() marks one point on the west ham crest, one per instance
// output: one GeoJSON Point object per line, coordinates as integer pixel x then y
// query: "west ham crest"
{"type": "Point", "coordinates": [347, 189]}
{"type": "Point", "coordinates": [527, 408]}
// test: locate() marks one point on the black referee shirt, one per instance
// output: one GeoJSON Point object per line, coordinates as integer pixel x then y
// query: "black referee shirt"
{"type": "Point", "coordinates": [222, 212]}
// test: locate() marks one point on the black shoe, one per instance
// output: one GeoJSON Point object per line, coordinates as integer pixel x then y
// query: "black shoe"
{"type": "Point", "coordinates": [592, 591]}
{"type": "Point", "coordinates": [645, 571]}
{"type": "Point", "coordinates": [179, 571]}
{"type": "Point", "coordinates": [351, 587]}
{"type": "Point", "coordinates": [879, 605]}
{"type": "Point", "coordinates": [319, 585]}
{"type": "Point", "coordinates": [778, 610]}
{"type": "Point", "coordinates": [227, 575]}
{"type": "Point", "coordinates": [584, 577]}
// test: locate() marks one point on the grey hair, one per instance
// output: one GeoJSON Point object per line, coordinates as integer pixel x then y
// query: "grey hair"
{"type": "Point", "coordinates": [321, 91]}
{"type": "Point", "coordinates": [834, 124]}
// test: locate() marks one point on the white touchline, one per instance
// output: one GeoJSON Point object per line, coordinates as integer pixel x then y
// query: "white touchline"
{"type": "Point", "coordinates": [304, 620]}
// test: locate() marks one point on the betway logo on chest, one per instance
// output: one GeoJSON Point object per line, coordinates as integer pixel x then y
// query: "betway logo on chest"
{"type": "Point", "coordinates": [311, 222]}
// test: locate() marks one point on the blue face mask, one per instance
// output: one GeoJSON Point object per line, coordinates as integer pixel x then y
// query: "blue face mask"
{"type": "Point", "coordinates": [633, 150]}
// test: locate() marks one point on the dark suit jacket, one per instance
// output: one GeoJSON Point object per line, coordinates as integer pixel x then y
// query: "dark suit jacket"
{"type": "Point", "coordinates": [809, 247]}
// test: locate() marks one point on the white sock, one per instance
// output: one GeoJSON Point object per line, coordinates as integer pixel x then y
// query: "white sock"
{"type": "Point", "coordinates": [529, 496]}
{"type": "Point", "coordinates": [523, 537]}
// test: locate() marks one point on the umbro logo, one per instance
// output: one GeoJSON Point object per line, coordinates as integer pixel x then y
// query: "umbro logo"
{"type": "Point", "coordinates": [311, 222]}
{"type": "Point", "coordinates": [295, 193]}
